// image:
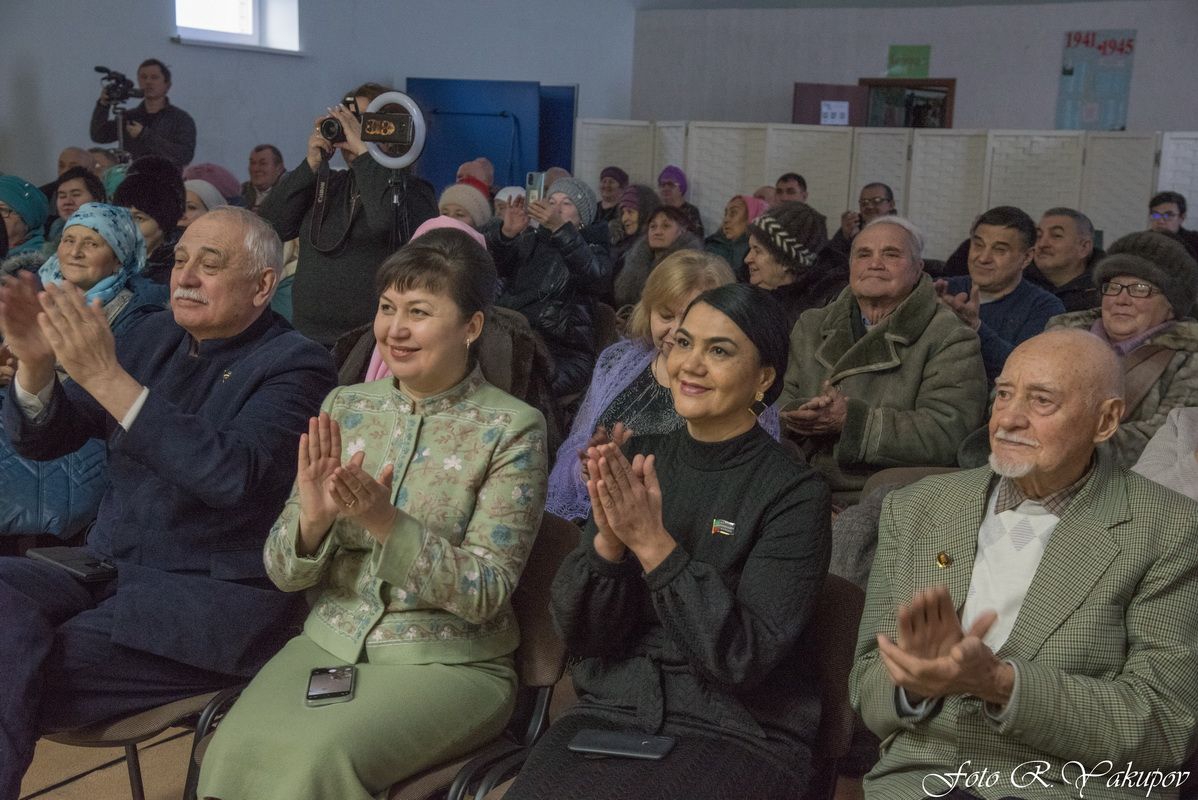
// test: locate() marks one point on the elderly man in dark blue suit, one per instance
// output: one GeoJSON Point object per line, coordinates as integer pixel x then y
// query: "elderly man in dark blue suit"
{"type": "Point", "coordinates": [202, 410]}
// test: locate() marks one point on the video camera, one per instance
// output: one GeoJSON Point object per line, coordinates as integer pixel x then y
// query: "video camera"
{"type": "Point", "coordinates": [117, 87]}
{"type": "Point", "coordinates": [392, 127]}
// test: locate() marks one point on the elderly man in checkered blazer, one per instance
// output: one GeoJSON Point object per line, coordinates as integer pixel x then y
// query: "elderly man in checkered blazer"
{"type": "Point", "coordinates": [1030, 628]}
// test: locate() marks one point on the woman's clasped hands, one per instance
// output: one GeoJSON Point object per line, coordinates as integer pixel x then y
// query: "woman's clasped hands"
{"type": "Point", "coordinates": [626, 504]}
{"type": "Point", "coordinates": [329, 489]}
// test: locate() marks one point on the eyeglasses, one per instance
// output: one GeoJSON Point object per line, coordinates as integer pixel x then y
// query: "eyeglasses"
{"type": "Point", "coordinates": [1167, 215]}
{"type": "Point", "coordinates": [1136, 290]}
{"type": "Point", "coordinates": [6, 212]}
{"type": "Point", "coordinates": [872, 202]}
{"type": "Point", "coordinates": [667, 184]}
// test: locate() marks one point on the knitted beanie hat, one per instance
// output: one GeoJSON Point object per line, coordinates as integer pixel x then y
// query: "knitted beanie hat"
{"type": "Point", "coordinates": [225, 182]}
{"type": "Point", "coordinates": [1157, 258]}
{"type": "Point", "coordinates": [156, 193]}
{"type": "Point", "coordinates": [616, 174]}
{"type": "Point", "coordinates": [675, 174]}
{"type": "Point", "coordinates": [470, 180]}
{"type": "Point", "coordinates": [468, 197]}
{"type": "Point", "coordinates": [755, 205]}
{"type": "Point", "coordinates": [792, 232]}
{"type": "Point", "coordinates": [642, 198]}
{"type": "Point", "coordinates": [580, 194]}
{"type": "Point", "coordinates": [209, 195]}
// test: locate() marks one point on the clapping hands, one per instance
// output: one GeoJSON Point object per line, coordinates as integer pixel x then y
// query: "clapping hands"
{"type": "Point", "coordinates": [626, 504]}
{"type": "Point", "coordinates": [329, 489]}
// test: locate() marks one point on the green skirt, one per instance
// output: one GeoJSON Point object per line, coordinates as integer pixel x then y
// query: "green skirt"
{"type": "Point", "coordinates": [404, 718]}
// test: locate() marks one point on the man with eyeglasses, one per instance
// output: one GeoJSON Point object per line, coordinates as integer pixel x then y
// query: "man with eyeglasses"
{"type": "Point", "coordinates": [876, 200]}
{"type": "Point", "coordinates": [1166, 212]}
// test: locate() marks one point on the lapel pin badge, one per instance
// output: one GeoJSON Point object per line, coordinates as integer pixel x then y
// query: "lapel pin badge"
{"type": "Point", "coordinates": [723, 527]}
{"type": "Point", "coordinates": [226, 375]}
{"type": "Point", "coordinates": [943, 560]}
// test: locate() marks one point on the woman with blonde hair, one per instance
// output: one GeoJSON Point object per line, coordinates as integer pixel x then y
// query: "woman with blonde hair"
{"type": "Point", "coordinates": [629, 389]}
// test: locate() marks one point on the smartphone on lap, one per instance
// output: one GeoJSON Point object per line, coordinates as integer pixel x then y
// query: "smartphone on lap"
{"type": "Point", "coordinates": [327, 685]}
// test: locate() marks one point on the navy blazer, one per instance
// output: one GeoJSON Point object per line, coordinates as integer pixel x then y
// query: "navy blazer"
{"type": "Point", "coordinates": [195, 484]}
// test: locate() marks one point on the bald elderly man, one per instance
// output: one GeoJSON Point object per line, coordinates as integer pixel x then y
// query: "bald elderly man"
{"type": "Point", "coordinates": [1029, 626]}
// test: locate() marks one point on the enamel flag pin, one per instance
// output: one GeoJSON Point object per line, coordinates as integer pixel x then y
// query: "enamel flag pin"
{"type": "Point", "coordinates": [723, 527]}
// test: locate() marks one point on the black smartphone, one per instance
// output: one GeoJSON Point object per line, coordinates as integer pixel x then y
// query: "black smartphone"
{"type": "Point", "coordinates": [330, 685]}
{"type": "Point", "coordinates": [622, 744]}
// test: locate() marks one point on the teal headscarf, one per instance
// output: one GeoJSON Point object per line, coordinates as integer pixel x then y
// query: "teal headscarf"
{"type": "Point", "coordinates": [31, 205]}
{"type": "Point", "coordinates": [117, 227]}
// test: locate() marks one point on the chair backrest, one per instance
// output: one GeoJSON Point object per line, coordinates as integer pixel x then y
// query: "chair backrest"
{"type": "Point", "coordinates": [901, 476]}
{"type": "Point", "coordinates": [541, 657]}
{"type": "Point", "coordinates": [607, 327]}
{"type": "Point", "coordinates": [833, 631]}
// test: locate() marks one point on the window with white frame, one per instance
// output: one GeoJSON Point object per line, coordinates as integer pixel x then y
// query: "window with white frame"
{"type": "Point", "coordinates": [269, 24]}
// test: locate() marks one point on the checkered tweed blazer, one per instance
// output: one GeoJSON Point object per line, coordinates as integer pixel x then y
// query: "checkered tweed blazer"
{"type": "Point", "coordinates": [1104, 644]}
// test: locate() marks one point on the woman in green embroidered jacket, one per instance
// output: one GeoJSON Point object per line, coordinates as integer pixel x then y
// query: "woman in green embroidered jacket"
{"type": "Point", "coordinates": [415, 506]}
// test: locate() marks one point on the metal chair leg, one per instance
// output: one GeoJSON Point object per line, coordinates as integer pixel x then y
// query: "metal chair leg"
{"type": "Point", "coordinates": [133, 762]}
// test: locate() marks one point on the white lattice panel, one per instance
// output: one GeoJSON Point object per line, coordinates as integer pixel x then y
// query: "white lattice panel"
{"type": "Point", "coordinates": [947, 186]}
{"type": "Point", "coordinates": [599, 143]}
{"type": "Point", "coordinates": [1035, 170]}
{"type": "Point", "coordinates": [880, 154]}
{"type": "Point", "coordinates": [669, 147]}
{"type": "Point", "coordinates": [1179, 168]}
{"type": "Point", "coordinates": [822, 155]}
{"type": "Point", "coordinates": [1117, 181]}
{"type": "Point", "coordinates": [722, 159]}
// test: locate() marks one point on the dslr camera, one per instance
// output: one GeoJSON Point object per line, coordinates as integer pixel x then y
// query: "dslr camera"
{"type": "Point", "coordinates": [390, 127]}
{"type": "Point", "coordinates": [117, 87]}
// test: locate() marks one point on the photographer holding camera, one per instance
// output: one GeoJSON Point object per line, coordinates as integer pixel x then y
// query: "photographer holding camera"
{"type": "Point", "coordinates": [154, 126]}
{"type": "Point", "coordinates": [345, 231]}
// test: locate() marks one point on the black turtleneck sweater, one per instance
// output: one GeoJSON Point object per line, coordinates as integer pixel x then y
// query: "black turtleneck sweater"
{"type": "Point", "coordinates": [710, 639]}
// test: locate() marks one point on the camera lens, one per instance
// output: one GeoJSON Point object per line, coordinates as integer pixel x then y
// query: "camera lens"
{"type": "Point", "coordinates": [330, 128]}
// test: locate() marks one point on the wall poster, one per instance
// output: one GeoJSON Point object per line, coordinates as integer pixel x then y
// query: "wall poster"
{"type": "Point", "coordinates": [1095, 80]}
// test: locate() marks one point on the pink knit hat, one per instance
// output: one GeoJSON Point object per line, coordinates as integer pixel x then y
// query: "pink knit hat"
{"type": "Point", "coordinates": [755, 205]}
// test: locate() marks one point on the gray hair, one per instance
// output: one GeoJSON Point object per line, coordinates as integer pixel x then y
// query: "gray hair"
{"type": "Point", "coordinates": [1085, 227]}
{"type": "Point", "coordinates": [914, 234]}
{"type": "Point", "coordinates": [263, 249]}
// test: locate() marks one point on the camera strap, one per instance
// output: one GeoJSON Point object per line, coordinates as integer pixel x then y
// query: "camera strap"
{"type": "Point", "coordinates": [320, 209]}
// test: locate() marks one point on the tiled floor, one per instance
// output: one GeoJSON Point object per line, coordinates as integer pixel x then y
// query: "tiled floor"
{"type": "Point", "coordinates": [163, 767]}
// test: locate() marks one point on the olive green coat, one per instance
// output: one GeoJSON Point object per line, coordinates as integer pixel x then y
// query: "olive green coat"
{"type": "Point", "coordinates": [915, 384]}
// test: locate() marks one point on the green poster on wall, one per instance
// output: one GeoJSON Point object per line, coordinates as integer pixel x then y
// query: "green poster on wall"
{"type": "Point", "coordinates": [909, 61]}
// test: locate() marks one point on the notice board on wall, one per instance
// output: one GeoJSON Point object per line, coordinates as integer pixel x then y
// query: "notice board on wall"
{"type": "Point", "coordinates": [1095, 80]}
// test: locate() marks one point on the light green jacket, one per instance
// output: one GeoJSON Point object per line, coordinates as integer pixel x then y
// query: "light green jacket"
{"type": "Point", "coordinates": [470, 474]}
{"type": "Point", "coordinates": [1104, 645]}
{"type": "Point", "coordinates": [915, 385]}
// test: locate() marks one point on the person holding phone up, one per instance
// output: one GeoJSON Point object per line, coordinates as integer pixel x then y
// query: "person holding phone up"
{"type": "Point", "coordinates": [552, 275]}
{"type": "Point", "coordinates": [415, 505]}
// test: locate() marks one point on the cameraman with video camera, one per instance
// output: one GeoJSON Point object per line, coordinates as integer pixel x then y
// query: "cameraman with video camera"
{"type": "Point", "coordinates": [154, 126]}
{"type": "Point", "coordinates": [345, 231]}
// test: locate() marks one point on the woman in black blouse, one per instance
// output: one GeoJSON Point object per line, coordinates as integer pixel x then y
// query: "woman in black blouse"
{"type": "Point", "coordinates": [688, 598]}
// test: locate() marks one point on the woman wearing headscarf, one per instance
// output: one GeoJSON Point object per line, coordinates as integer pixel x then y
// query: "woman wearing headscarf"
{"type": "Point", "coordinates": [202, 197]}
{"type": "Point", "coordinates": [100, 252]}
{"type": "Point", "coordinates": [731, 241]}
{"type": "Point", "coordinates": [672, 186]}
{"type": "Point", "coordinates": [23, 211]}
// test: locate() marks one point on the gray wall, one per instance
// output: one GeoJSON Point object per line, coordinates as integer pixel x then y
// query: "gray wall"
{"type": "Point", "coordinates": [238, 98]}
{"type": "Point", "coordinates": [741, 65]}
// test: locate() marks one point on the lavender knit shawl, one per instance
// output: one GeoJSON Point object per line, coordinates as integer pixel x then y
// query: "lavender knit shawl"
{"type": "Point", "coordinates": [615, 370]}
